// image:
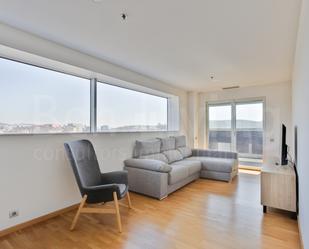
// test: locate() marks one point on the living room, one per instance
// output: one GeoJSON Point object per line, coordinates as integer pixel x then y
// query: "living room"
{"type": "Point", "coordinates": [158, 90]}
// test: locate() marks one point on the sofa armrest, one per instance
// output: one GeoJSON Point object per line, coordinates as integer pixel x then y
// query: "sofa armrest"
{"type": "Point", "coordinates": [148, 182]}
{"type": "Point", "coordinates": [214, 153]}
{"type": "Point", "coordinates": [148, 164]}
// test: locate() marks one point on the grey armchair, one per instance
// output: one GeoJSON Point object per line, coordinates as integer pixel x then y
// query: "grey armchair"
{"type": "Point", "coordinates": [95, 187]}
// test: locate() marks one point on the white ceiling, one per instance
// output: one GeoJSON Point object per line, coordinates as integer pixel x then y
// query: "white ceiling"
{"type": "Point", "coordinates": [244, 42]}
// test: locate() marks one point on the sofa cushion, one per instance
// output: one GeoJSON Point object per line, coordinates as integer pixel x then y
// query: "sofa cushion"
{"type": "Point", "coordinates": [215, 164]}
{"type": "Point", "coordinates": [168, 143]}
{"type": "Point", "coordinates": [214, 153]}
{"type": "Point", "coordinates": [192, 166]}
{"type": "Point", "coordinates": [185, 151]}
{"type": "Point", "coordinates": [173, 155]}
{"type": "Point", "coordinates": [147, 147]}
{"type": "Point", "coordinates": [178, 173]}
{"type": "Point", "coordinates": [158, 156]}
{"type": "Point", "coordinates": [180, 141]}
{"type": "Point", "coordinates": [148, 164]}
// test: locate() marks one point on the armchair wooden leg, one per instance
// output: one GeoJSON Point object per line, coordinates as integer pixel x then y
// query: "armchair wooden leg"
{"type": "Point", "coordinates": [117, 211]}
{"type": "Point", "coordinates": [129, 200]}
{"type": "Point", "coordinates": [81, 205]}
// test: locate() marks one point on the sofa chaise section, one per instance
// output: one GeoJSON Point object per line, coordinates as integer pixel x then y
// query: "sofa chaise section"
{"type": "Point", "coordinates": [216, 165]}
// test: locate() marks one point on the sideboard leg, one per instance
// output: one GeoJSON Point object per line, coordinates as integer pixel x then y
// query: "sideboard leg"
{"type": "Point", "coordinates": [294, 215]}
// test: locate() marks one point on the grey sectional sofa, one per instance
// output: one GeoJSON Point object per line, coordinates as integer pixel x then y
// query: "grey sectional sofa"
{"type": "Point", "coordinates": [163, 165]}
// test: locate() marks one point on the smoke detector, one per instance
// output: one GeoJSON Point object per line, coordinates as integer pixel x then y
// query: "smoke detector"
{"type": "Point", "coordinates": [124, 16]}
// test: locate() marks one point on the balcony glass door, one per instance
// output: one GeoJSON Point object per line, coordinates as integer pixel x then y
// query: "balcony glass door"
{"type": "Point", "coordinates": [237, 126]}
{"type": "Point", "coordinates": [220, 130]}
{"type": "Point", "coordinates": [249, 129]}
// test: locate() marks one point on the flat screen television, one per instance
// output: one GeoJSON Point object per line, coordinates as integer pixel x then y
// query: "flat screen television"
{"type": "Point", "coordinates": [284, 147]}
{"type": "Point", "coordinates": [295, 146]}
{"type": "Point", "coordinates": [295, 167]}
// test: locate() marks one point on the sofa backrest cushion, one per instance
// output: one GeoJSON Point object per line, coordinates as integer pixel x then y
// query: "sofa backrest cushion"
{"type": "Point", "coordinates": [158, 156]}
{"type": "Point", "coordinates": [173, 155]}
{"type": "Point", "coordinates": [185, 151]}
{"type": "Point", "coordinates": [146, 147]}
{"type": "Point", "coordinates": [180, 141]}
{"type": "Point", "coordinates": [181, 146]}
{"type": "Point", "coordinates": [168, 143]}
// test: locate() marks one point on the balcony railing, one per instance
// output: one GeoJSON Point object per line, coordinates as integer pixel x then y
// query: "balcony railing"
{"type": "Point", "coordinates": [248, 142]}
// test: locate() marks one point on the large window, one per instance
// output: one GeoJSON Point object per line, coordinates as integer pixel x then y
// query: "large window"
{"type": "Point", "coordinates": [120, 109]}
{"type": "Point", "coordinates": [237, 126]}
{"type": "Point", "coordinates": [37, 100]}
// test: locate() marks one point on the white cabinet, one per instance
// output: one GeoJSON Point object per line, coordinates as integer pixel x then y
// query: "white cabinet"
{"type": "Point", "coordinates": [278, 187]}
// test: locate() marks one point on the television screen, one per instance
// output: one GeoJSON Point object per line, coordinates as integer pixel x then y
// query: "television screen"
{"type": "Point", "coordinates": [284, 147]}
{"type": "Point", "coordinates": [295, 146]}
{"type": "Point", "coordinates": [295, 167]}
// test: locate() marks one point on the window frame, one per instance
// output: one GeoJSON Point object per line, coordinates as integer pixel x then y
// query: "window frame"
{"type": "Point", "coordinates": [94, 79]}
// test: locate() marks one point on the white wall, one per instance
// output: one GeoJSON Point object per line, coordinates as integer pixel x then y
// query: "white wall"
{"type": "Point", "coordinates": [278, 110]}
{"type": "Point", "coordinates": [35, 177]}
{"type": "Point", "coordinates": [300, 102]}
{"type": "Point", "coordinates": [193, 109]}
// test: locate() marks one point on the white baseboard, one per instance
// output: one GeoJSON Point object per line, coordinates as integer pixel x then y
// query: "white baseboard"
{"type": "Point", "coordinates": [300, 235]}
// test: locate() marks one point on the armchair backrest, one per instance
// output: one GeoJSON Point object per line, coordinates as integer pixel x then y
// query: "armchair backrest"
{"type": "Point", "coordinates": [84, 163]}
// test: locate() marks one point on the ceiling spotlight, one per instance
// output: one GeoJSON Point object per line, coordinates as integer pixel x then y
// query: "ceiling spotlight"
{"type": "Point", "coordinates": [212, 76]}
{"type": "Point", "coordinates": [124, 16]}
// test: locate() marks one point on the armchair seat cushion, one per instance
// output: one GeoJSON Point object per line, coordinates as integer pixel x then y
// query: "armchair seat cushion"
{"type": "Point", "coordinates": [104, 193]}
{"type": "Point", "coordinates": [123, 189]}
{"type": "Point", "coordinates": [215, 164]}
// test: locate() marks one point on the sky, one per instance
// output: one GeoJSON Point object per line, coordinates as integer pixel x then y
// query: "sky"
{"type": "Point", "coordinates": [34, 95]}
{"type": "Point", "coordinates": [244, 111]}
{"type": "Point", "coordinates": [252, 111]}
{"type": "Point", "coordinates": [117, 106]}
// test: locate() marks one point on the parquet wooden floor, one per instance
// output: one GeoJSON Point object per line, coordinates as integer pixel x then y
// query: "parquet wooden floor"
{"type": "Point", "coordinates": [203, 215]}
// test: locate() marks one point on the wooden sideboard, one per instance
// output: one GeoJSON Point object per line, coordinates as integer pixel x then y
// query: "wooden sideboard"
{"type": "Point", "coordinates": [278, 187]}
